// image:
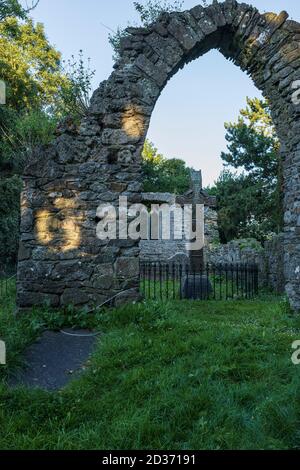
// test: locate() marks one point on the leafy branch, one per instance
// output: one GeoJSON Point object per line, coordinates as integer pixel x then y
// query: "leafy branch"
{"type": "Point", "coordinates": [10, 8]}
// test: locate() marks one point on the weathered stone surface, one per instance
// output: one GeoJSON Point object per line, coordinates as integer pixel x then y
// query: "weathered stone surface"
{"type": "Point", "coordinates": [24, 252]}
{"type": "Point", "coordinates": [74, 297]}
{"type": "Point", "coordinates": [69, 271]}
{"type": "Point", "coordinates": [269, 259]}
{"type": "Point", "coordinates": [27, 220]}
{"type": "Point", "coordinates": [127, 267]}
{"type": "Point", "coordinates": [27, 299]}
{"type": "Point", "coordinates": [93, 163]}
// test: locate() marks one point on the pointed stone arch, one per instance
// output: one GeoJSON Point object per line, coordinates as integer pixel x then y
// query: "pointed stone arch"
{"type": "Point", "coordinates": [60, 258]}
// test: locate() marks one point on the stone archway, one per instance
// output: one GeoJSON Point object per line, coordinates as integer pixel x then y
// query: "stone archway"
{"type": "Point", "coordinates": [60, 258]}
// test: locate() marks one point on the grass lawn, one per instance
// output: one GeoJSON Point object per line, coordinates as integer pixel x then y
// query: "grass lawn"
{"type": "Point", "coordinates": [179, 375]}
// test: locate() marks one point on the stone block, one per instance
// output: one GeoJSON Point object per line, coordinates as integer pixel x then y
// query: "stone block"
{"type": "Point", "coordinates": [28, 299]}
{"type": "Point", "coordinates": [127, 267]}
{"type": "Point", "coordinates": [74, 297]}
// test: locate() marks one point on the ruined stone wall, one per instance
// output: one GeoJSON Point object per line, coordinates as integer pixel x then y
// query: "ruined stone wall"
{"type": "Point", "coordinates": [165, 250]}
{"type": "Point", "coordinates": [269, 258]}
{"type": "Point", "coordinates": [168, 250]}
{"type": "Point", "coordinates": [211, 230]}
{"type": "Point", "coordinates": [61, 260]}
{"type": "Point", "coordinates": [274, 263]}
{"type": "Point", "coordinates": [160, 249]}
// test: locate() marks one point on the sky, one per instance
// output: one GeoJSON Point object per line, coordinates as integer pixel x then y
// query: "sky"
{"type": "Point", "coordinates": [188, 120]}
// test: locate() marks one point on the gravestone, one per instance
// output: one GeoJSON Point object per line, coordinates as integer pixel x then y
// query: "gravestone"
{"type": "Point", "coordinates": [196, 286]}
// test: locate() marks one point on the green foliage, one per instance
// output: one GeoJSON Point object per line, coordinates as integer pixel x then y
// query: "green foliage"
{"type": "Point", "coordinates": [250, 201]}
{"type": "Point", "coordinates": [10, 8]}
{"type": "Point", "coordinates": [183, 375]}
{"type": "Point", "coordinates": [47, 318]}
{"type": "Point", "coordinates": [74, 93]}
{"type": "Point", "coordinates": [148, 14]}
{"type": "Point", "coordinates": [252, 142]}
{"type": "Point", "coordinates": [37, 78]}
{"type": "Point", "coordinates": [115, 40]}
{"type": "Point", "coordinates": [21, 133]}
{"type": "Point", "coordinates": [151, 11]}
{"type": "Point", "coordinates": [14, 8]}
{"type": "Point", "coordinates": [245, 208]}
{"type": "Point", "coordinates": [32, 87]}
{"type": "Point", "coordinates": [164, 175]}
{"type": "Point", "coordinates": [41, 90]}
{"type": "Point", "coordinates": [8, 119]}
{"type": "Point", "coordinates": [9, 219]}
{"type": "Point", "coordinates": [252, 243]}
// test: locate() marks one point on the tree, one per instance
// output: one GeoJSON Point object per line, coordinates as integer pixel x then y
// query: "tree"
{"type": "Point", "coordinates": [32, 71]}
{"type": "Point", "coordinates": [9, 219]}
{"type": "Point", "coordinates": [164, 175]}
{"type": "Point", "coordinates": [252, 142]}
{"type": "Point", "coordinates": [245, 208]}
{"type": "Point", "coordinates": [30, 66]}
{"type": "Point", "coordinates": [14, 8]}
{"type": "Point", "coordinates": [40, 91]}
{"type": "Point", "coordinates": [250, 200]}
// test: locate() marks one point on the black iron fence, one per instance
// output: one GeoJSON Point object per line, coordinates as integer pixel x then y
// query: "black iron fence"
{"type": "Point", "coordinates": [162, 281]}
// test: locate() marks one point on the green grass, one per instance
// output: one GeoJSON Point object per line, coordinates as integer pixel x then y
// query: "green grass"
{"type": "Point", "coordinates": [178, 375]}
{"type": "Point", "coordinates": [222, 289]}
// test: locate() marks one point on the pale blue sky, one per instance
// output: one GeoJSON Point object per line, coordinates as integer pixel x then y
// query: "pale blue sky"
{"type": "Point", "coordinates": [188, 121]}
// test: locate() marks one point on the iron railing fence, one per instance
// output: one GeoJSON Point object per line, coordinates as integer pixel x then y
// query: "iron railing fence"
{"type": "Point", "coordinates": [163, 281]}
{"type": "Point", "coordinates": [167, 281]}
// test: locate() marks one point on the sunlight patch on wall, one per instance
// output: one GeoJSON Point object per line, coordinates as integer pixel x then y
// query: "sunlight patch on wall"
{"type": "Point", "coordinates": [45, 227]}
{"type": "Point", "coordinates": [60, 231]}
{"type": "Point", "coordinates": [133, 121]}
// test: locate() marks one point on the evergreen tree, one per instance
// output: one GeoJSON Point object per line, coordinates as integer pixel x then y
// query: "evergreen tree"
{"type": "Point", "coordinates": [250, 199]}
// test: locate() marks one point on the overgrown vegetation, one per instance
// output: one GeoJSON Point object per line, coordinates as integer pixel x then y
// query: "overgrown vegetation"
{"type": "Point", "coordinates": [162, 174]}
{"type": "Point", "coordinates": [41, 90]}
{"type": "Point", "coordinates": [14, 8]}
{"type": "Point", "coordinates": [74, 94]}
{"type": "Point", "coordinates": [180, 375]}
